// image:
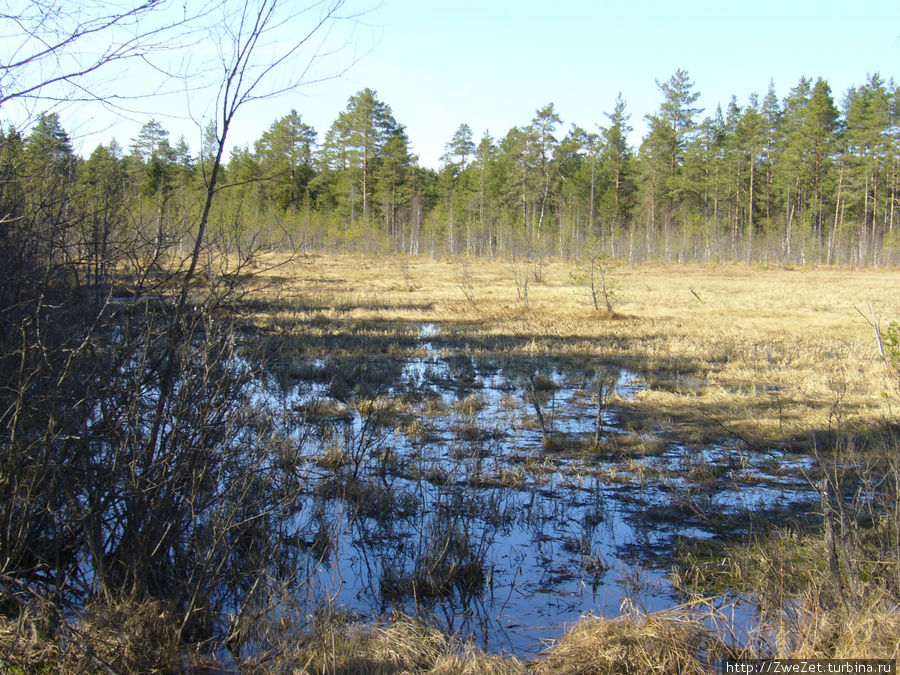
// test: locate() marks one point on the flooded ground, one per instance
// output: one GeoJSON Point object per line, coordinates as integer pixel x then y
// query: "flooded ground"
{"type": "Point", "coordinates": [504, 497]}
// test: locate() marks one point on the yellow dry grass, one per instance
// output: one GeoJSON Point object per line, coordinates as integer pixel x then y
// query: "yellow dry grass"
{"type": "Point", "coordinates": [870, 628]}
{"type": "Point", "coordinates": [404, 646]}
{"type": "Point", "coordinates": [666, 642]}
{"type": "Point", "coordinates": [769, 354]}
{"type": "Point", "coordinates": [115, 638]}
{"type": "Point", "coordinates": [138, 639]}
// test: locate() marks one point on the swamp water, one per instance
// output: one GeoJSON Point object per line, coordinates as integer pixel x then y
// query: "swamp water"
{"type": "Point", "coordinates": [504, 497]}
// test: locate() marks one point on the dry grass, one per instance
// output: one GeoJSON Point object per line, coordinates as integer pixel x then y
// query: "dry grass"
{"type": "Point", "coordinates": [805, 610]}
{"type": "Point", "coordinates": [407, 646]}
{"type": "Point", "coordinates": [129, 639]}
{"type": "Point", "coordinates": [337, 645]}
{"type": "Point", "coordinates": [667, 642]}
{"type": "Point", "coordinates": [766, 354]}
{"type": "Point", "coordinates": [139, 640]}
{"type": "Point", "coordinates": [121, 638]}
{"type": "Point", "coordinates": [870, 627]}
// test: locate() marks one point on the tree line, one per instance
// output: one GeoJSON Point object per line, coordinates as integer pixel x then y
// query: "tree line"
{"type": "Point", "coordinates": [801, 179]}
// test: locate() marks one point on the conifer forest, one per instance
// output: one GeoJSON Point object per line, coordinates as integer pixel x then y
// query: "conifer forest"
{"type": "Point", "coordinates": [810, 177]}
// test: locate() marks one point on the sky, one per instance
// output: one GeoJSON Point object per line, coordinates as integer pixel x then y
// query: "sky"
{"type": "Point", "coordinates": [492, 64]}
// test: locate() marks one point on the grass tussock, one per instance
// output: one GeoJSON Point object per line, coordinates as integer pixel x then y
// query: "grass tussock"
{"type": "Point", "coordinates": [108, 638]}
{"type": "Point", "coordinates": [667, 642]}
{"type": "Point", "coordinates": [337, 645]}
{"type": "Point", "coordinates": [816, 628]}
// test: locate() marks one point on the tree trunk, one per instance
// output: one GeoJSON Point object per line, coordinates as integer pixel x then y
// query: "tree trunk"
{"type": "Point", "coordinates": [837, 207]}
{"type": "Point", "coordinates": [750, 212]}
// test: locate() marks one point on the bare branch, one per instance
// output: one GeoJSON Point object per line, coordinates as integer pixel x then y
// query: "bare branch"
{"type": "Point", "coordinates": [55, 51]}
{"type": "Point", "coordinates": [874, 322]}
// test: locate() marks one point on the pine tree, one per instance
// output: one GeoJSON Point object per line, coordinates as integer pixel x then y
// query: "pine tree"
{"type": "Point", "coordinates": [354, 143]}
{"type": "Point", "coordinates": [822, 126]}
{"type": "Point", "coordinates": [156, 175]}
{"type": "Point", "coordinates": [511, 186]}
{"type": "Point", "coordinates": [540, 149]}
{"type": "Point", "coordinates": [484, 160]}
{"type": "Point", "coordinates": [456, 183]}
{"type": "Point", "coordinates": [662, 153]}
{"type": "Point", "coordinates": [868, 148]}
{"type": "Point", "coordinates": [460, 147]}
{"type": "Point", "coordinates": [575, 158]}
{"type": "Point", "coordinates": [617, 163]}
{"type": "Point", "coordinates": [677, 111]}
{"type": "Point", "coordinates": [750, 141]}
{"type": "Point", "coordinates": [393, 189]}
{"type": "Point", "coordinates": [771, 112]}
{"type": "Point", "coordinates": [49, 165]}
{"type": "Point", "coordinates": [285, 155]}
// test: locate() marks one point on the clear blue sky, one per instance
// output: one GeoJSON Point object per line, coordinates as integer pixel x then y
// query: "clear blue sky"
{"type": "Point", "coordinates": [491, 64]}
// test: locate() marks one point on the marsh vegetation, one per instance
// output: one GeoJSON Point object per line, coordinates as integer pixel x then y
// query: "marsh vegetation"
{"type": "Point", "coordinates": [722, 445]}
{"type": "Point", "coordinates": [495, 471]}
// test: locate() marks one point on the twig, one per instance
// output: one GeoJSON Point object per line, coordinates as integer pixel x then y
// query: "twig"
{"type": "Point", "coordinates": [876, 328]}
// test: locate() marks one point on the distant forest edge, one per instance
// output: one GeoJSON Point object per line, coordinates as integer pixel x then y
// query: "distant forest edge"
{"type": "Point", "coordinates": [796, 180]}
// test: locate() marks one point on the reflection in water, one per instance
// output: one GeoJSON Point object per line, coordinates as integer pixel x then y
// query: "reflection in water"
{"type": "Point", "coordinates": [499, 497]}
